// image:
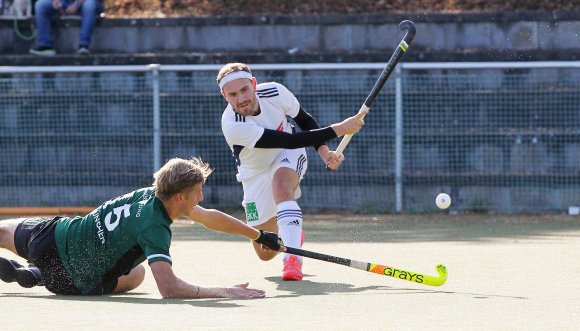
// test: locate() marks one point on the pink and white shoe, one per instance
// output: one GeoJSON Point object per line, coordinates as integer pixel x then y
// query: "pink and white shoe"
{"type": "Point", "coordinates": [292, 269]}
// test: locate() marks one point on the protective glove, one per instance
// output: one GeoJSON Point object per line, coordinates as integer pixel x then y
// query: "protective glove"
{"type": "Point", "coordinates": [269, 239]}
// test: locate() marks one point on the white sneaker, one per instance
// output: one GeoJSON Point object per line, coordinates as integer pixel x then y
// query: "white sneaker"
{"type": "Point", "coordinates": [83, 51]}
{"type": "Point", "coordinates": [43, 51]}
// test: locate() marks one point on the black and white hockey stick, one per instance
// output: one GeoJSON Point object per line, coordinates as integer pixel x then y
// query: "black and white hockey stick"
{"type": "Point", "coordinates": [399, 273]}
{"type": "Point", "coordinates": [409, 28]}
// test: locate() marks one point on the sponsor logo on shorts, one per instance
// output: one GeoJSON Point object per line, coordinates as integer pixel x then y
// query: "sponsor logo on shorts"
{"type": "Point", "coordinates": [251, 212]}
{"type": "Point", "coordinates": [285, 160]}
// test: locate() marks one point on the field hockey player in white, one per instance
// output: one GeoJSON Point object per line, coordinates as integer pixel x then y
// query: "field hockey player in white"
{"type": "Point", "coordinates": [271, 157]}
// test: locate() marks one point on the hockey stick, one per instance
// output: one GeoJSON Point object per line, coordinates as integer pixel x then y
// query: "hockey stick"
{"type": "Point", "coordinates": [407, 26]}
{"type": "Point", "coordinates": [410, 276]}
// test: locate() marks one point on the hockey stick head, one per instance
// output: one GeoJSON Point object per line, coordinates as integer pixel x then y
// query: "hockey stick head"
{"type": "Point", "coordinates": [409, 28]}
{"type": "Point", "coordinates": [442, 271]}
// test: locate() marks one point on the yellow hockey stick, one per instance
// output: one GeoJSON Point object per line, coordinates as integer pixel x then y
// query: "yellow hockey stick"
{"type": "Point", "coordinates": [399, 273]}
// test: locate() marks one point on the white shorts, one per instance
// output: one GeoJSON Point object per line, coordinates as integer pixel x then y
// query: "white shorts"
{"type": "Point", "coordinates": [258, 193]}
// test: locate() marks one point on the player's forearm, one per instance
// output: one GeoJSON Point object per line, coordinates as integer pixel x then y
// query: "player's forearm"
{"type": "Point", "coordinates": [323, 152]}
{"type": "Point", "coordinates": [184, 290]}
{"type": "Point", "coordinates": [171, 286]}
{"type": "Point", "coordinates": [219, 221]}
{"type": "Point", "coordinates": [278, 139]}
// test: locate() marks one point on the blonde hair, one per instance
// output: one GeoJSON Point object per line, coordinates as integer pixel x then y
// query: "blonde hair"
{"type": "Point", "coordinates": [178, 175]}
{"type": "Point", "coordinates": [231, 67]}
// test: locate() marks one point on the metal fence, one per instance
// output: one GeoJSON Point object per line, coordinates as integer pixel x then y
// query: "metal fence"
{"type": "Point", "coordinates": [496, 136]}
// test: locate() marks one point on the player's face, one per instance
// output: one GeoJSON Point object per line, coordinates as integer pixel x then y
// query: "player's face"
{"type": "Point", "coordinates": [192, 198]}
{"type": "Point", "coordinates": [241, 94]}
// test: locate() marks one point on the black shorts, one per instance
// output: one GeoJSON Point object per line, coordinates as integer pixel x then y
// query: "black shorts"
{"type": "Point", "coordinates": [34, 240]}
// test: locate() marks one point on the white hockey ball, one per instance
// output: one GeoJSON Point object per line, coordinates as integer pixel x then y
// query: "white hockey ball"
{"type": "Point", "coordinates": [443, 200]}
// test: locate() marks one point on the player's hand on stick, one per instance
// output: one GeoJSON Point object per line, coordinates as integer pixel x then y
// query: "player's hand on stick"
{"type": "Point", "coordinates": [269, 240]}
{"type": "Point", "coordinates": [350, 125]}
{"type": "Point", "coordinates": [333, 160]}
{"type": "Point", "coordinates": [242, 291]}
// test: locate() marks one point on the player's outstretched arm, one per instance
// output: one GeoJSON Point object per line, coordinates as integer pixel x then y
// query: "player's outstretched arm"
{"type": "Point", "coordinates": [219, 221]}
{"type": "Point", "coordinates": [280, 139]}
{"type": "Point", "coordinates": [172, 287]}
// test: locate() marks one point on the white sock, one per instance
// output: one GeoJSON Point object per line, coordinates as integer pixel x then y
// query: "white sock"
{"type": "Point", "coordinates": [290, 225]}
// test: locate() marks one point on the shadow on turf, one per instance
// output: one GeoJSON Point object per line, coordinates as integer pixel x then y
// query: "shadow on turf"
{"type": "Point", "coordinates": [130, 298]}
{"type": "Point", "coordinates": [307, 287]}
{"type": "Point", "coordinates": [296, 289]}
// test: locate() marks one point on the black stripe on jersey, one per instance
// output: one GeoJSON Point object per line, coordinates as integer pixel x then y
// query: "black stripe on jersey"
{"type": "Point", "coordinates": [240, 118]}
{"type": "Point", "coordinates": [275, 89]}
{"type": "Point", "coordinates": [236, 150]}
{"type": "Point", "coordinates": [300, 166]}
{"type": "Point", "coordinates": [268, 93]}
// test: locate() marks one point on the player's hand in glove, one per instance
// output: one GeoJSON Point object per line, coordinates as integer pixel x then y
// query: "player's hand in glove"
{"type": "Point", "coordinates": [269, 240]}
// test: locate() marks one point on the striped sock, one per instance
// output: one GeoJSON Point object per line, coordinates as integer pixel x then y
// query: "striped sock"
{"type": "Point", "coordinates": [290, 224]}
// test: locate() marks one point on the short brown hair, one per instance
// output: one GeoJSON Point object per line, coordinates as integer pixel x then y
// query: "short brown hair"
{"type": "Point", "coordinates": [231, 67]}
{"type": "Point", "coordinates": [178, 175]}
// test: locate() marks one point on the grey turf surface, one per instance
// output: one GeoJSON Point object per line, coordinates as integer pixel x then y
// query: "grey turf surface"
{"type": "Point", "coordinates": [505, 273]}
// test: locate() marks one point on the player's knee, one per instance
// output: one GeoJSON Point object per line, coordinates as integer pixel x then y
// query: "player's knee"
{"type": "Point", "coordinates": [6, 234]}
{"type": "Point", "coordinates": [3, 237]}
{"type": "Point", "coordinates": [267, 257]}
{"type": "Point", "coordinates": [264, 254]}
{"type": "Point", "coordinates": [131, 281]}
{"type": "Point", "coordinates": [284, 184]}
{"type": "Point", "coordinates": [139, 275]}
{"type": "Point", "coordinates": [283, 192]}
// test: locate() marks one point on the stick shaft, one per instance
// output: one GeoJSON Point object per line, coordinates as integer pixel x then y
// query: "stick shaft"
{"type": "Point", "coordinates": [346, 139]}
{"type": "Point", "coordinates": [409, 27]}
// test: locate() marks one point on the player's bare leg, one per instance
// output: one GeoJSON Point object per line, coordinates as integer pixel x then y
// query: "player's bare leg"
{"type": "Point", "coordinates": [131, 281]}
{"type": "Point", "coordinates": [7, 229]}
{"type": "Point", "coordinates": [11, 270]}
{"type": "Point", "coordinates": [263, 253]}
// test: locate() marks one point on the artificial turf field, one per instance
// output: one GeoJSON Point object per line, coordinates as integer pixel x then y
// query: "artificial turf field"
{"type": "Point", "coordinates": [505, 273]}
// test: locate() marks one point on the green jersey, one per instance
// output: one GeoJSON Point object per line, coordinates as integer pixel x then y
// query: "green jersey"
{"type": "Point", "coordinates": [114, 238]}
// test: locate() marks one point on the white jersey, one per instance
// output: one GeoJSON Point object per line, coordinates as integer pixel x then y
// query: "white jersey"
{"type": "Point", "coordinates": [242, 133]}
